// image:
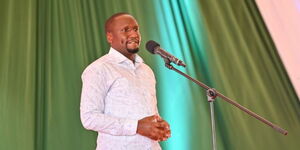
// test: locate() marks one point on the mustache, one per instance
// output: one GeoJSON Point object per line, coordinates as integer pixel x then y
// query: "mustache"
{"type": "Point", "coordinates": [137, 40]}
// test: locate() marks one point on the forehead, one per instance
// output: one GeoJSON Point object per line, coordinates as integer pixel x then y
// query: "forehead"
{"type": "Point", "coordinates": [123, 21]}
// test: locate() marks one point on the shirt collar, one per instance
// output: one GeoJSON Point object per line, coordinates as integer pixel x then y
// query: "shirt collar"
{"type": "Point", "coordinates": [119, 58]}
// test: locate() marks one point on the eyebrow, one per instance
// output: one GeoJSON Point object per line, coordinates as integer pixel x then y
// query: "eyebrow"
{"type": "Point", "coordinates": [135, 26]}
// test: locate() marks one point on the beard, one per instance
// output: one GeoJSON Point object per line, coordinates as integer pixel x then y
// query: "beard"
{"type": "Point", "coordinates": [133, 51]}
{"type": "Point", "coordinates": [130, 48]}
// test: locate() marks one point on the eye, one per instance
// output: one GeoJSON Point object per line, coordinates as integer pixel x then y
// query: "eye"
{"type": "Point", "coordinates": [136, 29]}
{"type": "Point", "coordinates": [125, 29]}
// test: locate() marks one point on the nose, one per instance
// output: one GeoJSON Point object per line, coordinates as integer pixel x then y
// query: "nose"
{"type": "Point", "coordinates": [134, 34]}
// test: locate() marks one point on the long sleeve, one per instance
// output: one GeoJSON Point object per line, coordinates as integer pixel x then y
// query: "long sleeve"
{"type": "Point", "coordinates": [94, 89]}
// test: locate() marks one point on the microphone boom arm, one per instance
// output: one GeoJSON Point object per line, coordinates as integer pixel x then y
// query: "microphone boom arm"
{"type": "Point", "coordinates": [251, 113]}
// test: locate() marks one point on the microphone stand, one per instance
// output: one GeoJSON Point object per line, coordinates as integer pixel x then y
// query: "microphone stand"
{"type": "Point", "coordinates": [212, 94]}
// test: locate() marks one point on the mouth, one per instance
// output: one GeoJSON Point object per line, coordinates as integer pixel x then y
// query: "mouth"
{"type": "Point", "coordinates": [133, 41]}
{"type": "Point", "coordinates": [133, 45]}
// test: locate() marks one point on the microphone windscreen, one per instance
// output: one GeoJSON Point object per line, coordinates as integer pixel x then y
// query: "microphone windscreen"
{"type": "Point", "coordinates": [151, 45]}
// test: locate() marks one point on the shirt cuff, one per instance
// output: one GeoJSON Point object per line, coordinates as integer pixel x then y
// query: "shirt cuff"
{"type": "Point", "coordinates": [130, 127]}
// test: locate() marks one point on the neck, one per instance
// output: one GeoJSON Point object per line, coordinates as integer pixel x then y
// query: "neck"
{"type": "Point", "coordinates": [131, 57]}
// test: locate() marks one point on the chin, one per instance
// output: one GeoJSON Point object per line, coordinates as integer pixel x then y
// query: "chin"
{"type": "Point", "coordinates": [133, 51]}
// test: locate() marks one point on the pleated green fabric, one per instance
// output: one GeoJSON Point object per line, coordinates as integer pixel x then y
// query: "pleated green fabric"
{"type": "Point", "coordinates": [46, 44]}
{"type": "Point", "coordinates": [17, 74]}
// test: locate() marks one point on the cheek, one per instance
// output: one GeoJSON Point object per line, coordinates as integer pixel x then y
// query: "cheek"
{"type": "Point", "coordinates": [123, 40]}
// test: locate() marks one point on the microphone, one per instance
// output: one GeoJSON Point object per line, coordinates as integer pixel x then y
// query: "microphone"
{"type": "Point", "coordinates": [154, 48]}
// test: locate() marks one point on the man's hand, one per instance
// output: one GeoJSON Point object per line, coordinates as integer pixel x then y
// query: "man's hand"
{"type": "Point", "coordinates": [154, 128]}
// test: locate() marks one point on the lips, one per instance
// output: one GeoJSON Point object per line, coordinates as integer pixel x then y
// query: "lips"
{"type": "Point", "coordinates": [133, 41]}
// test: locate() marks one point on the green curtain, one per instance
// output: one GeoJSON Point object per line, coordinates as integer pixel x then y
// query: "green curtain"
{"type": "Point", "coordinates": [18, 84]}
{"type": "Point", "coordinates": [46, 44]}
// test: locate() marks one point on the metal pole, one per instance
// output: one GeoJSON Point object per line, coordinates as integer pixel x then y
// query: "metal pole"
{"type": "Point", "coordinates": [211, 95]}
{"type": "Point", "coordinates": [251, 113]}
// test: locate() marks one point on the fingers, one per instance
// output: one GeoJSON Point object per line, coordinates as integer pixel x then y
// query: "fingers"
{"type": "Point", "coordinates": [160, 135]}
{"type": "Point", "coordinates": [163, 124]}
{"type": "Point", "coordinates": [164, 135]}
{"type": "Point", "coordinates": [163, 130]}
{"type": "Point", "coordinates": [154, 127]}
{"type": "Point", "coordinates": [156, 118]}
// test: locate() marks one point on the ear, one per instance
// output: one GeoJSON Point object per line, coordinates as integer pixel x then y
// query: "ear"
{"type": "Point", "coordinates": [109, 37]}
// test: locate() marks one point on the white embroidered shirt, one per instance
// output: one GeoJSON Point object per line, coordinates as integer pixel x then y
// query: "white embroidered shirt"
{"type": "Point", "coordinates": [116, 93]}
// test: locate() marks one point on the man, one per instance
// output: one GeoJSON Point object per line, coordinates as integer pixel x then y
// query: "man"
{"type": "Point", "coordinates": [118, 97]}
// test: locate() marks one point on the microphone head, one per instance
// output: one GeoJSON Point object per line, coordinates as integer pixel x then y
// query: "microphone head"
{"type": "Point", "coordinates": [151, 45]}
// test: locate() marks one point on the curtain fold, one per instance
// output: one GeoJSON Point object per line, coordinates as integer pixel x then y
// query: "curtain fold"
{"type": "Point", "coordinates": [17, 74]}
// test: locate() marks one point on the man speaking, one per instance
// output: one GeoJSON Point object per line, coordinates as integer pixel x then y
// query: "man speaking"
{"type": "Point", "coordinates": [118, 98]}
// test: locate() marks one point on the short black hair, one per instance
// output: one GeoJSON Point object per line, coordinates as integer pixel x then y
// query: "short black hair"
{"type": "Point", "coordinates": [110, 20]}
